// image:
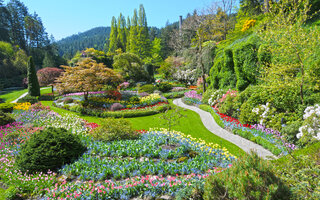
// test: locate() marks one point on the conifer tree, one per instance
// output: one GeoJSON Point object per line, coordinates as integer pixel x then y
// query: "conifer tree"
{"type": "Point", "coordinates": [134, 33]}
{"type": "Point", "coordinates": [121, 29]}
{"type": "Point", "coordinates": [113, 42]}
{"type": "Point", "coordinates": [143, 34]}
{"type": "Point", "coordinates": [33, 84]}
{"type": "Point", "coordinates": [128, 33]}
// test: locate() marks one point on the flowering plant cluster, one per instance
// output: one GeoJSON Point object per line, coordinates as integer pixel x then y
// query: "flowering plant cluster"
{"type": "Point", "coordinates": [310, 131]}
{"type": "Point", "coordinates": [193, 94]}
{"type": "Point", "coordinates": [248, 24]}
{"type": "Point", "coordinates": [152, 99]}
{"type": "Point", "coordinates": [22, 106]}
{"type": "Point", "coordinates": [178, 89]}
{"type": "Point", "coordinates": [159, 162]}
{"type": "Point", "coordinates": [82, 93]}
{"type": "Point", "coordinates": [274, 137]}
{"type": "Point", "coordinates": [230, 92]}
{"type": "Point", "coordinates": [214, 99]}
{"type": "Point", "coordinates": [124, 85]}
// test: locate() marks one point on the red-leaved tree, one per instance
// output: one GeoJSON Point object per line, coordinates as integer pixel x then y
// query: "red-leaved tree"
{"type": "Point", "coordinates": [48, 75]}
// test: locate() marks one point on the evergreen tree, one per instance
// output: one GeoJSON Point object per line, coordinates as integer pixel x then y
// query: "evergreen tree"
{"type": "Point", "coordinates": [128, 33]}
{"type": "Point", "coordinates": [134, 33]}
{"type": "Point", "coordinates": [121, 29]}
{"type": "Point", "coordinates": [18, 11]}
{"type": "Point", "coordinates": [143, 34]}
{"type": "Point", "coordinates": [4, 23]}
{"type": "Point", "coordinates": [33, 84]}
{"type": "Point", "coordinates": [113, 42]}
{"type": "Point", "coordinates": [48, 60]}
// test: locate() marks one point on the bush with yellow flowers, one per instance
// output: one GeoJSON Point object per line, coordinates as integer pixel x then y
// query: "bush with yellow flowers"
{"type": "Point", "coordinates": [248, 24]}
{"type": "Point", "coordinates": [22, 106]}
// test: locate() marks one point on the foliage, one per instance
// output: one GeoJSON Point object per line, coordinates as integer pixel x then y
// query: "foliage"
{"type": "Point", "coordinates": [301, 172]}
{"type": "Point", "coordinates": [250, 178]}
{"type": "Point", "coordinates": [28, 98]}
{"type": "Point", "coordinates": [47, 76]}
{"type": "Point", "coordinates": [310, 130]}
{"type": "Point", "coordinates": [194, 192]}
{"type": "Point", "coordinates": [49, 149]}
{"type": "Point", "coordinates": [149, 88]}
{"type": "Point", "coordinates": [171, 117]}
{"type": "Point", "coordinates": [164, 87]}
{"type": "Point", "coordinates": [68, 100]}
{"type": "Point", "coordinates": [130, 66]}
{"type": "Point", "coordinates": [111, 129]}
{"type": "Point", "coordinates": [6, 107]}
{"type": "Point", "coordinates": [87, 76]}
{"type": "Point", "coordinates": [293, 47]}
{"type": "Point", "coordinates": [33, 84]}
{"type": "Point", "coordinates": [248, 24]}
{"type": "Point", "coordinates": [5, 119]}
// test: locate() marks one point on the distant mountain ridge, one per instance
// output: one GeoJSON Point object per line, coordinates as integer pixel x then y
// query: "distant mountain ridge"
{"type": "Point", "coordinates": [93, 38]}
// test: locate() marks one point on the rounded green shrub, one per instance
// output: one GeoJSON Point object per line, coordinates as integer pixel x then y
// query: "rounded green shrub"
{"type": "Point", "coordinates": [250, 177]}
{"type": "Point", "coordinates": [6, 107]}
{"type": "Point", "coordinates": [114, 129]}
{"type": "Point", "coordinates": [49, 149]}
{"type": "Point", "coordinates": [12, 193]}
{"type": "Point", "coordinates": [5, 119]}
{"type": "Point", "coordinates": [68, 100]}
{"type": "Point", "coordinates": [164, 87]}
{"type": "Point", "coordinates": [149, 88]}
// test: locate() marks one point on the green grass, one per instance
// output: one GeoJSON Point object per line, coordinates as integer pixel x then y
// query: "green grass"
{"type": "Point", "coordinates": [13, 95]}
{"type": "Point", "coordinates": [2, 194]}
{"type": "Point", "coordinates": [191, 125]}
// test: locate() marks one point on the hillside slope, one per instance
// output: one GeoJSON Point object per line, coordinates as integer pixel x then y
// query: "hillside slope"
{"type": "Point", "coordinates": [93, 38]}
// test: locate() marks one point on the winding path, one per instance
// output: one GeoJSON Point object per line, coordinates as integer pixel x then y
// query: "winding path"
{"type": "Point", "coordinates": [25, 94]}
{"type": "Point", "coordinates": [213, 127]}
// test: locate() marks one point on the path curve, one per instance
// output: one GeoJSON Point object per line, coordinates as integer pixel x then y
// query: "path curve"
{"type": "Point", "coordinates": [213, 127]}
{"type": "Point", "coordinates": [25, 94]}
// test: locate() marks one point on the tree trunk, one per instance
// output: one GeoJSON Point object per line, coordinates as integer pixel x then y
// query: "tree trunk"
{"type": "Point", "coordinates": [202, 66]}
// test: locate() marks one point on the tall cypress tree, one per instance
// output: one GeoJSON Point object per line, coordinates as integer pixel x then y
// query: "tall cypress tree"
{"type": "Point", "coordinates": [143, 34]}
{"type": "Point", "coordinates": [134, 33]}
{"type": "Point", "coordinates": [33, 84]}
{"type": "Point", "coordinates": [128, 34]}
{"type": "Point", "coordinates": [113, 42]}
{"type": "Point", "coordinates": [121, 29]}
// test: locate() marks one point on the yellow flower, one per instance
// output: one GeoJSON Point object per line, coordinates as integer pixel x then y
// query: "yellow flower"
{"type": "Point", "coordinates": [22, 106]}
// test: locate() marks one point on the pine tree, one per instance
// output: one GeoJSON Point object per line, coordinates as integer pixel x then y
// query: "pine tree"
{"type": "Point", "coordinates": [33, 84]}
{"type": "Point", "coordinates": [121, 29]}
{"type": "Point", "coordinates": [4, 23]}
{"type": "Point", "coordinates": [113, 42]}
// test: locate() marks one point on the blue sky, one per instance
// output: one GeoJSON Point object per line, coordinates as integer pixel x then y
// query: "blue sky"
{"type": "Point", "coordinates": [63, 18]}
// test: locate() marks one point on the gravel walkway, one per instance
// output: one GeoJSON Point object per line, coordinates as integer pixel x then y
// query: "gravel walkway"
{"type": "Point", "coordinates": [213, 127]}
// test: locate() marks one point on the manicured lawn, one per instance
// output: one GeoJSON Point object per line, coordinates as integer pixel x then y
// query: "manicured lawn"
{"type": "Point", "coordinates": [10, 96]}
{"type": "Point", "coordinates": [2, 194]}
{"type": "Point", "coordinates": [191, 125]}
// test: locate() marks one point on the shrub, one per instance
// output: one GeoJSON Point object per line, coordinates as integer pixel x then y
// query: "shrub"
{"type": "Point", "coordinates": [194, 192]}
{"type": "Point", "coordinates": [47, 97]}
{"type": "Point", "coordinates": [116, 106]}
{"type": "Point", "coordinates": [28, 98]}
{"type": "Point", "coordinates": [7, 107]}
{"type": "Point", "coordinates": [12, 193]}
{"type": "Point", "coordinates": [5, 119]}
{"type": "Point", "coordinates": [149, 88]}
{"type": "Point", "coordinates": [1, 100]}
{"type": "Point", "coordinates": [134, 99]}
{"type": "Point", "coordinates": [114, 129]}
{"type": "Point", "coordinates": [249, 178]}
{"type": "Point", "coordinates": [68, 100]}
{"type": "Point", "coordinates": [164, 87]}
{"type": "Point", "coordinates": [49, 149]}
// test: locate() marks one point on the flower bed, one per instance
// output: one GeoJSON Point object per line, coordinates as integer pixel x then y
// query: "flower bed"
{"type": "Point", "coordinates": [158, 163]}
{"type": "Point", "coordinates": [266, 137]}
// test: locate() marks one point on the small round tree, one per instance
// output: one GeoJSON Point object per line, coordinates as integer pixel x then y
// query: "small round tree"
{"type": "Point", "coordinates": [48, 75]}
{"type": "Point", "coordinates": [33, 84]}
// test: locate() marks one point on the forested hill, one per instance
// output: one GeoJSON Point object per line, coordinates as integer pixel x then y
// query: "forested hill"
{"type": "Point", "coordinates": [93, 38]}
